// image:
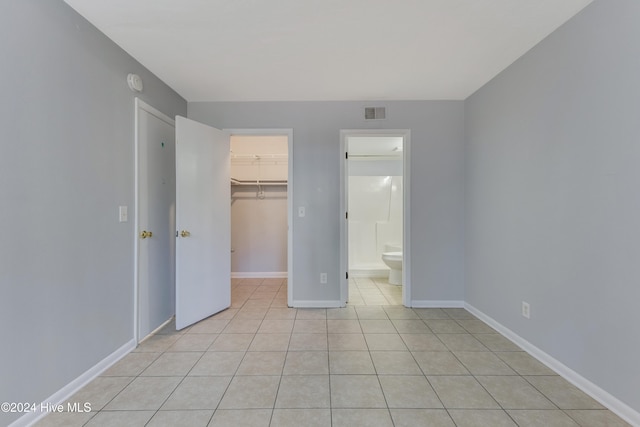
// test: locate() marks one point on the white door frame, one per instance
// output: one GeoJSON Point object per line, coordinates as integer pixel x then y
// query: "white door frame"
{"type": "Point", "coordinates": [406, 222]}
{"type": "Point", "coordinates": [140, 106]}
{"type": "Point", "coordinates": [289, 134]}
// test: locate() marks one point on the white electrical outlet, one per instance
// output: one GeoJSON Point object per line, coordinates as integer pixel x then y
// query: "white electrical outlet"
{"type": "Point", "coordinates": [323, 277]}
{"type": "Point", "coordinates": [526, 310]}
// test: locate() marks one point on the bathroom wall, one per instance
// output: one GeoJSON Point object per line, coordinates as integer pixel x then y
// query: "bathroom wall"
{"type": "Point", "coordinates": [375, 213]}
{"type": "Point", "coordinates": [259, 214]}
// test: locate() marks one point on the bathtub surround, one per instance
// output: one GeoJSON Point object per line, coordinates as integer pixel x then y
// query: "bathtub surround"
{"type": "Point", "coordinates": [375, 198]}
{"type": "Point", "coordinates": [375, 220]}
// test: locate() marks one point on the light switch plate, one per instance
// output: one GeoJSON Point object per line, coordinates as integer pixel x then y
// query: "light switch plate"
{"type": "Point", "coordinates": [526, 310]}
{"type": "Point", "coordinates": [301, 211]}
{"type": "Point", "coordinates": [123, 214]}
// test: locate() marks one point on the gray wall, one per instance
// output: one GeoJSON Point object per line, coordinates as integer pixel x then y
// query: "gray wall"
{"type": "Point", "coordinates": [66, 273]}
{"type": "Point", "coordinates": [552, 202]}
{"type": "Point", "coordinates": [552, 213]}
{"type": "Point", "coordinates": [436, 181]}
{"type": "Point", "coordinates": [258, 230]}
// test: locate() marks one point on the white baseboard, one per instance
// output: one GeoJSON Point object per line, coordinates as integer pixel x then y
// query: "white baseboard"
{"type": "Point", "coordinates": [155, 331]}
{"type": "Point", "coordinates": [258, 274]}
{"type": "Point", "coordinates": [316, 304]}
{"type": "Point", "coordinates": [436, 304]}
{"type": "Point", "coordinates": [74, 386]}
{"type": "Point", "coordinates": [616, 406]}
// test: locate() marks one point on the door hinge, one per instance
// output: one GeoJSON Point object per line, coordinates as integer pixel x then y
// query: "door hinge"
{"type": "Point", "coordinates": [346, 215]}
{"type": "Point", "coordinates": [347, 274]}
{"type": "Point", "coordinates": [346, 155]}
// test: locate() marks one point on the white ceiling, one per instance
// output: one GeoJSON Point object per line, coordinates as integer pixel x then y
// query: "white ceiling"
{"type": "Point", "coordinates": [312, 50]}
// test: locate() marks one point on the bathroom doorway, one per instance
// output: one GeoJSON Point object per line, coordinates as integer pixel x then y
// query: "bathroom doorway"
{"type": "Point", "coordinates": [261, 205]}
{"type": "Point", "coordinates": [375, 226]}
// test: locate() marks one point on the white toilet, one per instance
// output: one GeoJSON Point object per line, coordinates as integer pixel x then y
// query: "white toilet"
{"type": "Point", "coordinates": [392, 257]}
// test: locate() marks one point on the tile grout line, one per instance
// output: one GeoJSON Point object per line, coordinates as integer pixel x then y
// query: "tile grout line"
{"type": "Point", "coordinates": [458, 318]}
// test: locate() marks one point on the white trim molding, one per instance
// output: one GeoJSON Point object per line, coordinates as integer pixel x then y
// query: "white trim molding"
{"type": "Point", "coordinates": [156, 330]}
{"type": "Point", "coordinates": [74, 386]}
{"type": "Point", "coordinates": [616, 406]}
{"type": "Point", "coordinates": [139, 106]}
{"type": "Point", "coordinates": [288, 132]}
{"type": "Point", "coordinates": [316, 304]}
{"type": "Point", "coordinates": [437, 304]}
{"type": "Point", "coordinates": [258, 275]}
{"type": "Point", "coordinates": [345, 134]}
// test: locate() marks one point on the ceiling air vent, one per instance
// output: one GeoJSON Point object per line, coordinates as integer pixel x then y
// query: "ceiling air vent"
{"type": "Point", "coordinates": [375, 113]}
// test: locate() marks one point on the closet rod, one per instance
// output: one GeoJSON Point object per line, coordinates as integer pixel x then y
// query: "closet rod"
{"type": "Point", "coordinates": [376, 156]}
{"type": "Point", "coordinates": [259, 156]}
{"type": "Point", "coordinates": [256, 182]}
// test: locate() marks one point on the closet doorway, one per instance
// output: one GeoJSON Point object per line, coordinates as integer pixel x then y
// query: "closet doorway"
{"type": "Point", "coordinates": [261, 210]}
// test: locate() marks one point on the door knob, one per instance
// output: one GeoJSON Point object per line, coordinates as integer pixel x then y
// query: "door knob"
{"type": "Point", "coordinates": [185, 233]}
{"type": "Point", "coordinates": [144, 234]}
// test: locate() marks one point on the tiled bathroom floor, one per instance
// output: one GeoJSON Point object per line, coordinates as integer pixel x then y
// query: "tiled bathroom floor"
{"type": "Point", "coordinates": [260, 363]}
{"type": "Point", "coordinates": [374, 291]}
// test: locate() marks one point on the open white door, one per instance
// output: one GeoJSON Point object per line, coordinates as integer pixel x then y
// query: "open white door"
{"type": "Point", "coordinates": [203, 222]}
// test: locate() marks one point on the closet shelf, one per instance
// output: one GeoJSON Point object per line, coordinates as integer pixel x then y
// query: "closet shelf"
{"type": "Point", "coordinates": [257, 182]}
{"type": "Point", "coordinates": [259, 157]}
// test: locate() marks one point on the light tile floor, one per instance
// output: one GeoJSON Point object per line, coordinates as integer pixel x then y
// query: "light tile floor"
{"type": "Point", "coordinates": [373, 291]}
{"type": "Point", "coordinates": [260, 363]}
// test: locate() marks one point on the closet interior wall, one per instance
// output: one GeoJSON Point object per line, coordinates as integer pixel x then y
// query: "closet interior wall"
{"type": "Point", "coordinates": [259, 168]}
